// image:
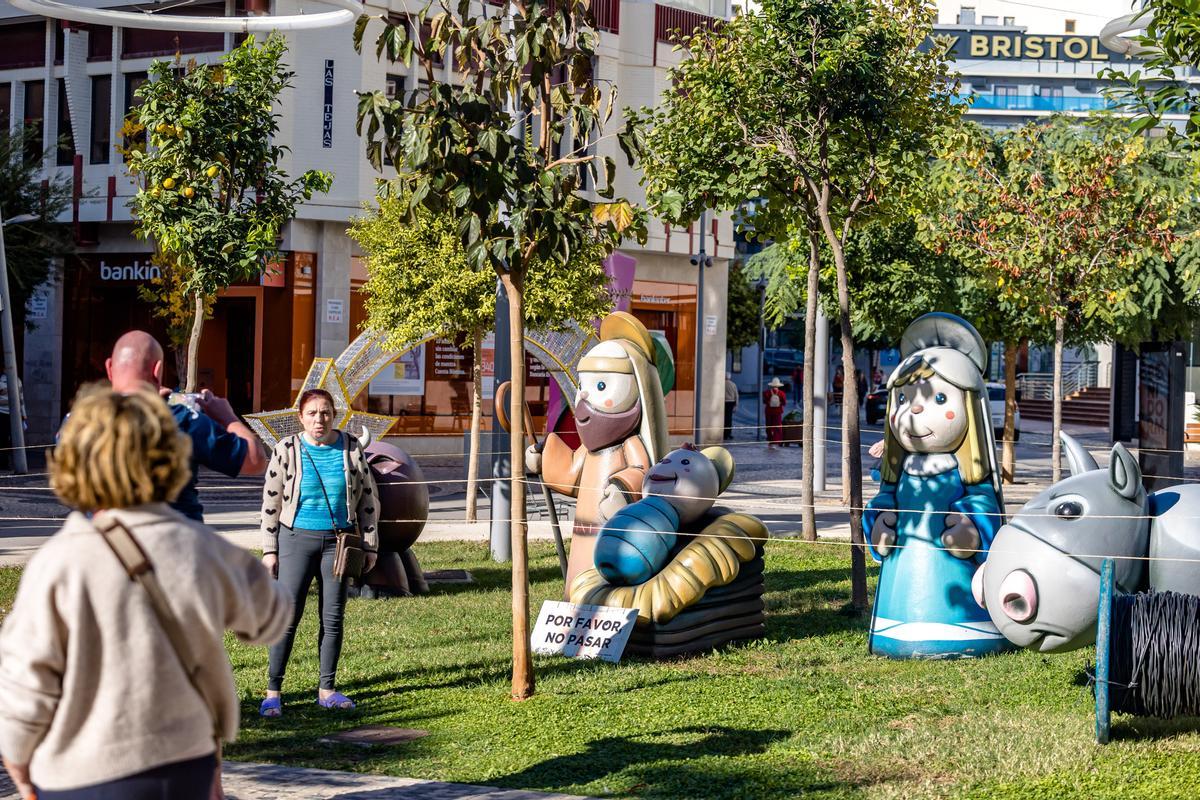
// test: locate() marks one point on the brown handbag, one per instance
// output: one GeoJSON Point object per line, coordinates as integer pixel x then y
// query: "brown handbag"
{"type": "Point", "coordinates": [349, 556]}
{"type": "Point", "coordinates": [139, 568]}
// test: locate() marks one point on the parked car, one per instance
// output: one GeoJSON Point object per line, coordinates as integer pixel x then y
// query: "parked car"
{"type": "Point", "coordinates": [996, 407]}
{"type": "Point", "coordinates": [876, 405]}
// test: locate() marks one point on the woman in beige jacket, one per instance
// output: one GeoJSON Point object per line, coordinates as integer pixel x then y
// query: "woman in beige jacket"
{"type": "Point", "coordinates": [93, 702]}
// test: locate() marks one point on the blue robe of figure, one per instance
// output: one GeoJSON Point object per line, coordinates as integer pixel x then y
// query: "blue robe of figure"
{"type": "Point", "coordinates": [923, 605]}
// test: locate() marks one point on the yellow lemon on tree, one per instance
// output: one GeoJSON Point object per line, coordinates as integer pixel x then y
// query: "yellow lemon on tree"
{"type": "Point", "coordinates": [212, 171]}
{"type": "Point", "coordinates": [189, 192]}
{"type": "Point", "coordinates": [169, 183]}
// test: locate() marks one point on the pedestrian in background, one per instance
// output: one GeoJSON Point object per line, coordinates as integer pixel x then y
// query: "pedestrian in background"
{"type": "Point", "coordinates": [774, 400]}
{"type": "Point", "coordinates": [731, 403]}
{"type": "Point", "coordinates": [220, 441]}
{"type": "Point", "coordinates": [6, 441]}
{"type": "Point", "coordinates": [318, 483]}
{"type": "Point", "coordinates": [106, 692]}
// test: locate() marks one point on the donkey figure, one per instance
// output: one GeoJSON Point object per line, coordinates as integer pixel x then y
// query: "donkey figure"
{"type": "Point", "coordinates": [1041, 581]}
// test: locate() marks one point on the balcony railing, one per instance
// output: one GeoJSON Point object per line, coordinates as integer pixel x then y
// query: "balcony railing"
{"type": "Point", "coordinates": [670, 23]}
{"type": "Point", "coordinates": [1031, 102]}
{"type": "Point", "coordinates": [605, 13]}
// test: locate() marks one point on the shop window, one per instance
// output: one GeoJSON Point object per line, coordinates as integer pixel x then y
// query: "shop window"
{"type": "Point", "coordinates": [101, 119]}
{"type": "Point", "coordinates": [65, 152]}
{"type": "Point", "coordinates": [35, 99]}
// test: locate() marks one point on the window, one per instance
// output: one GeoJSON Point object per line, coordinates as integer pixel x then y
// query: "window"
{"type": "Point", "coordinates": [966, 15]}
{"type": "Point", "coordinates": [132, 81]}
{"type": "Point", "coordinates": [102, 126]}
{"type": "Point", "coordinates": [5, 106]}
{"type": "Point", "coordinates": [1006, 91]}
{"type": "Point", "coordinates": [65, 150]}
{"type": "Point", "coordinates": [394, 87]}
{"type": "Point", "coordinates": [1069, 26]}
{"type": "Point", "coordinates": [991, 20]}
{"type": "Point", "coordinates": [31, 117]}
{"type": "Point", "coordinates": [1010, 22]}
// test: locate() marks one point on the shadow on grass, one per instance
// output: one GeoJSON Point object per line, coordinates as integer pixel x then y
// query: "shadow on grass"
{"type": "Point", "coordinates": [1149, 729]}
{"type": "Point", "coordinates": [807, 603]}
{"type": "Point", "coordinates": [656, 765]}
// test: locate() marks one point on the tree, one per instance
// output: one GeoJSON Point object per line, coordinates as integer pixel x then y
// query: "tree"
{"type": "Point", "coordinates": [213, 198]}
{"type": "Point", "coordinates": [741, 310]}
{"type": "Point", "coordinates": [493, 150]}
{"type": "Point", "coordinates": [1075, 225]}
{"type": "Point", "coordinates": [32, 246]}
{"type": "Point", "coordinates": [420, 283]}
{"type": "Point", "coordinates": [819, 106]}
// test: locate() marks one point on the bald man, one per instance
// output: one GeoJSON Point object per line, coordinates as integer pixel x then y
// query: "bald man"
{"type": "Point", "coordinates": [220, 441]}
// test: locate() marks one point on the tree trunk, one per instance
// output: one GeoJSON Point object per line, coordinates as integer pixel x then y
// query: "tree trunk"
{"type": "Point", "coordinates": [522, 675]}
{"type": "Point", "coordinates": [808, 510]}
{"type": "Point", "coordinates": [851, 454]}
{"type": "Point", "coordinates": [193, 351]}
{"type": "Point", "coordinates": [1008, 448]}
{"type": "Point", "coordinates": [476, 418]}
{"type": "Point", "coordinates": [1056, 425]}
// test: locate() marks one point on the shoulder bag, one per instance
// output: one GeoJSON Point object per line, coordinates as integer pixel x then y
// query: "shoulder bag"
{"type": "Point", "coordinates": [349, 555]}
{"type": "Point", "coordinates": [139, 568]}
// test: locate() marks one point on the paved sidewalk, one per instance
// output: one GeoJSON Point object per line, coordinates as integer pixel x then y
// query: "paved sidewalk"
{"type": "Point", "coordinates": [244, 781]}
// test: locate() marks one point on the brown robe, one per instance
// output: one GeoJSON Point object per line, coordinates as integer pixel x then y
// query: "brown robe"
{"type": "Point", "coordinates": [584, 475]}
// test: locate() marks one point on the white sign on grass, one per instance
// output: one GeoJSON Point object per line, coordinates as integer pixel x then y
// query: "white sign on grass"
{"type": "Point", "coordinates": [581, 631]}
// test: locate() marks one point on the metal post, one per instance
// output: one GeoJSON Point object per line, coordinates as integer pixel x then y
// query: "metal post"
{"type": "Point", "coordinates": [19, 463]}
{"type": "Point", "coordinates": [1103, 653]}
{"type": "Point", "coordinates": [501, 501]}
{"type": "Point", "coordinates": [701, 262]}
{"type": "Point", "coordinates": [820, 396]}
{"type": "Point", "coordinates": [762, 350]}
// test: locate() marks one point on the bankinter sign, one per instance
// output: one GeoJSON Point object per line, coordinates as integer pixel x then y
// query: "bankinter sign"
{"type": "Point", "coordinates": [1013, 46]}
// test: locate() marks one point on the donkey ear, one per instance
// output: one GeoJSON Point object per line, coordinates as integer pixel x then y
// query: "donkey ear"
{"type": "Point", "coordinates": [723, 460]}
{"type": "Point", "coordinates": [1123, 472]}
{"type": "Point", "coordinates": [1078, 458]}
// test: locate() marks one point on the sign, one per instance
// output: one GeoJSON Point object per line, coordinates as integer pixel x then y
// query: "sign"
{"type": "Point", "coordinates": [1016, 46]}
{"type": "Point", "coordinates": [334, 311]}
{"type": "Point", "coordinates": [710, 325]}
{"type": "Point", "coordinates": [404, 376]}
{"type": "Point", "coordinates": [449, 362]}
{"type": "Point", "coordinates": [37, 306]}
{"type": "Point", "coordinates": [580, 631]}
{"type": "Point", "coordinates": [139, 271]}
{"type": "Point", "coordinates": [327, 115]}
{"type": "Point", "coordinates": [1161, 413]}
{"type": "Point", "coordinates": [488, 365]}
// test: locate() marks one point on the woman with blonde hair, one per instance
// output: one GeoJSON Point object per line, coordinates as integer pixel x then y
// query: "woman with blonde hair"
{"type": "Point", "coordinates": [114, 681]}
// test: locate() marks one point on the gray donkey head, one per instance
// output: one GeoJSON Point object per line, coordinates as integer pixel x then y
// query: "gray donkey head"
{"type": "Point", "coordinates": [1041, 581]}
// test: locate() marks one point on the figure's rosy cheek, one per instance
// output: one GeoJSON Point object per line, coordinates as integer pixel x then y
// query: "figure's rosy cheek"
{"type": "Point", "coordinates": [949, 415]}
{"type": "Point", "coordinates": [608, 403]}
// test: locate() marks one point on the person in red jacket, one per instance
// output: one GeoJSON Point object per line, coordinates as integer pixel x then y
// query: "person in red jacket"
{"type": "Point", "coordinates": [774, 401]}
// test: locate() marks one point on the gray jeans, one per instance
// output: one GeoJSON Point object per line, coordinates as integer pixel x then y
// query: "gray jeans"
{"type": "Point", "coordinates": [304, 555]}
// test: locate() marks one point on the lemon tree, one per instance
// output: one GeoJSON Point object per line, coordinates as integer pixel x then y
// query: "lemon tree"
{"type": "Point", "coordinates": [212, 196]}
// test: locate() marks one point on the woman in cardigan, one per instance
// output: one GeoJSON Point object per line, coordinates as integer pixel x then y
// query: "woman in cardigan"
{"type": "Point", "coordinates": [94, 701]}
{"type": "Point", "coordinates": [317, 483]}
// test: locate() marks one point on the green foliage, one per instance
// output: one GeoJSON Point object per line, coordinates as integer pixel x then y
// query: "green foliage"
{"type": "Point", "coordinates": [30, 246]}
{"type": "Point", "coordinates": [817, 106]}
{"type": "Point", "coordinates": [213, 197]}
{"type": "Point", "coordinates": [1159, 87]}
{"type": "Point", "coordinates": [1091, 224]}
{"type": "Point", "coordinates": [460, 152]}
{"type": "Point", "coordinates": [741, 309]}
{"type": "Point", "coordinates": [420, 282]}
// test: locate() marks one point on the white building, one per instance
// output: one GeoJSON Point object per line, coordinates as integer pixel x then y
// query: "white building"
{"type": "Point", "coordinates": [79, 80]}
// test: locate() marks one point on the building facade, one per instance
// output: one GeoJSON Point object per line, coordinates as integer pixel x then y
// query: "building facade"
{"type": "Point", "coordinates": [79, 82]}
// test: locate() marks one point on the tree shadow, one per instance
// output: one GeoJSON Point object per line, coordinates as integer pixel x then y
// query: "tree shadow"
{"type": "Point", "coordinates": [654, 766]}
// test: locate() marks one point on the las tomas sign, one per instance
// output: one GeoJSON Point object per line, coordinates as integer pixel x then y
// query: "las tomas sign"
{"type": "Point", "coordinates": [1017, 46]}
{"type": "Point", "coordinates": [582, 631]}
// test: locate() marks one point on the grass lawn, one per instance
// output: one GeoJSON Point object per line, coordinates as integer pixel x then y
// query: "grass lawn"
{"type": "Point", "coordinates": [803, 712]}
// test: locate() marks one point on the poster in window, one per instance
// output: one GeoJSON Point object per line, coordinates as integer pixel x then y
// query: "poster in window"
{"type": "Point", "coordinates": [404, 376]}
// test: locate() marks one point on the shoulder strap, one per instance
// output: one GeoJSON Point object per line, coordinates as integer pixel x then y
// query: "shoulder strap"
{"type": "Point", "coordinates": [137, 565]}
{"type": "Point", "coordinates": [317, 472]}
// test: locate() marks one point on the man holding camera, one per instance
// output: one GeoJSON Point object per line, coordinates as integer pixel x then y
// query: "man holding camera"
{"type": "Point", "coordinates": [220, 441]}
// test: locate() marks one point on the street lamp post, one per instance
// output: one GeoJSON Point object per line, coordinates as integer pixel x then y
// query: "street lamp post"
{"type": "Point", "coordinates": [700, 260]}
{"type": "Point", "coordinates": [15, 406]}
